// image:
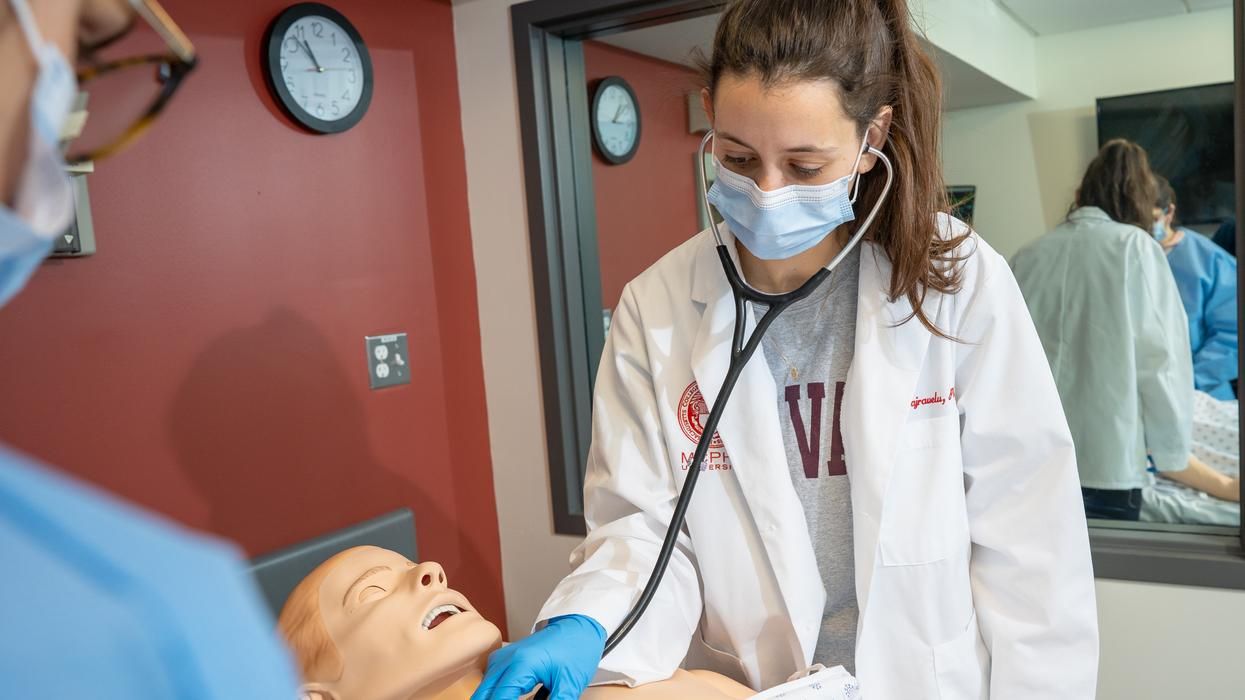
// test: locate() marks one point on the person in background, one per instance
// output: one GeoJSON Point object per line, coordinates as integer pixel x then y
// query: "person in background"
{"type": "Point", "coordinates": [101, 600]}
{"type": "Point", "coordinates": [1114, 330]}
{"type": "Point", "coordinates": [1206, 278]}
{"type": "Point", "coordinates": [1225, 236]}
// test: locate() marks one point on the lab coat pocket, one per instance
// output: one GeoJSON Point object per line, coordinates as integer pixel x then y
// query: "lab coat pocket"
{"type": "Point", "coordinates": [704, 656]}
{"type": "Point", "coordinates": [924, 495]}
{"type": "Point", "coordinates": [962, 665]}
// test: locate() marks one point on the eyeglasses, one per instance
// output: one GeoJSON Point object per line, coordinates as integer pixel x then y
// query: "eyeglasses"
{"type": "Point", "coordinates": [136, 89]}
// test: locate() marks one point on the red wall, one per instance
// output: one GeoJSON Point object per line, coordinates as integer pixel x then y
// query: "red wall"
{"type": "Point", "coordinates": [208, 362]}
{"type": "Point", "coordinates": [647, 206]}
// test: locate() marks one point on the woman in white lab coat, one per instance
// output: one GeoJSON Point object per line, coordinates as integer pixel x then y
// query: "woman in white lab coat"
{"type": "Point", "coordinates": [1110, 317]}
{"type": "Point", "coordinates": [893, 487]}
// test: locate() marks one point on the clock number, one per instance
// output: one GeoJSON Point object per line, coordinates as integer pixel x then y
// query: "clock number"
{"type": "Point", "coordinates": [299, 30]}
{"type": "Point", "coordinates": [317, 29]}
{"type": "Point", "coordinates": [291, 45]}
{"type": "Point", "coordinates": [346, 95]}
{"type": "Point", "coordinates": [345, 55]}
{"type": "Point", "coordinates": [352, 78]}
{"type": "Point", "coordinates": [336, 110]}
{"type": "Point", "coordinates": [289, 83]}
{"type": "Point", "coordinates": [333, 36]}
{"type": "Point", "coordinates": [284, 64]}
{"type": "Point", "coordinates": [320, 110]}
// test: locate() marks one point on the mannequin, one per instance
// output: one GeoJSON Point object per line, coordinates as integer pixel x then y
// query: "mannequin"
{"type": "Point", "coordinates": [368, 624]}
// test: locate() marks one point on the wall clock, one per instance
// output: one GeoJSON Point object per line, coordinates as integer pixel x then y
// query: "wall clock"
{"type": "Point", "coordinates": [318, 67]}
{"type": "Point", "coordinates": [615, 120]}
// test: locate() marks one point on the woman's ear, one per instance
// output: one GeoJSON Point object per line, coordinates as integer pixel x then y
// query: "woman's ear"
{"type": "Point", "coordinates": [316, 691]}
{"type": "Point", "coordinates": [876, 133]}
{"type": "Point", "coordinates": [706, 103]}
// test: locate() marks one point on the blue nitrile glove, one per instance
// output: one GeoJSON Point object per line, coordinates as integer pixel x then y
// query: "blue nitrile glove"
{"type": "Point", "coordinates": [563, 657]}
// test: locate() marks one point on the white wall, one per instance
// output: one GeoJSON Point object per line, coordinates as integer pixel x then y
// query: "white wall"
{"type": "Point", "coordinates": [1169, 641]}
{"type": "Point", "coordinates": [1027, 158]}
{"type": "Point", "coordinates": [983, 35]}
{"type": "Point", "coordinates": [533, 559]}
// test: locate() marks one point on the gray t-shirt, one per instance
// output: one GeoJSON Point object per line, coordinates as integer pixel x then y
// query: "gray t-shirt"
{"type": "Point", "coordinates": [809, 350]}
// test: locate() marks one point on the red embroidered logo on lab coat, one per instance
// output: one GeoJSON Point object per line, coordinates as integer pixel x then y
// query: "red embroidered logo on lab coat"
{"type": "Point", "coordinates": [693, 412]}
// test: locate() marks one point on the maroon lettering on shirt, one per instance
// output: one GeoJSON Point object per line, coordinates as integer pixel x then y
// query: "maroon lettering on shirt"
{"type": "Point", "coordinates": [809, 441]}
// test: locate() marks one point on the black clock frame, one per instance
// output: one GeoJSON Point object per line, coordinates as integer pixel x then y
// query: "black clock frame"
{"type": "Point", "coordinates": [596, 134]}
{"type": "Point", "coordinates": [273, 40]}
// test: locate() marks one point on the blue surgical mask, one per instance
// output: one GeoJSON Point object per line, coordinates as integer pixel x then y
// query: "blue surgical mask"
{"type": "Point", "coordinates": [1159, 231]}
{"type": "Point", "coordinates": [785, 222]}
{"type": "Point", "coordinates": [43, 203]}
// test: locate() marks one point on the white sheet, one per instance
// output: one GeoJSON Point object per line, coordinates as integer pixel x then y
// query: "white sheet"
{"type": "Point", "coordinates": [1216, 441]}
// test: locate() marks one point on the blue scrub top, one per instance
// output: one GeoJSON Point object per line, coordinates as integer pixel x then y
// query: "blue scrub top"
{"type": "Point", "coordinates": [1206, 277]}
{"type": "Point", "coordinates": [100, 600]}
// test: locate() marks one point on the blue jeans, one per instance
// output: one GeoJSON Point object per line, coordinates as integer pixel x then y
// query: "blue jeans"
{"type": "Point", "coordinates": [1109, 504]}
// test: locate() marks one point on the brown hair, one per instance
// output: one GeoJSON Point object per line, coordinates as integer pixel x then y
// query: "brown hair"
{"type": "Point", "coordinates": [1119, 182]}
{"type": "Point", "coordinates": [1166, 195]}
{"type": "Point", "coordinates": [303, 627]}
{"type": "Point", "coordinates": [869, 50]}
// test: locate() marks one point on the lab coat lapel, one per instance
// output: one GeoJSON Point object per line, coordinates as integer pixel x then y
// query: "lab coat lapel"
{"type": "Point", "coordinates": [881, 382]}
{"type": "Point", "coordinates": [752, 436]}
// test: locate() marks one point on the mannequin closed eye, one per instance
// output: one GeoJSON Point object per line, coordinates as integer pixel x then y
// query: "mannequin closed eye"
{"type": "Point", "coordinates": [371, 593]}
{"type": "Point", "coordinates": [367, 586]}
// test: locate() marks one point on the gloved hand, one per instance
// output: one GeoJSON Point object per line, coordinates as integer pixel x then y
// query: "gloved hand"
{"type": "Point", "coordinates": [563, 657]}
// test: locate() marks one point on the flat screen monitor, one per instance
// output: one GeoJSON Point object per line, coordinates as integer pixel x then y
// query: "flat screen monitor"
{"type": "Point", "coordinates": [1188, 135]}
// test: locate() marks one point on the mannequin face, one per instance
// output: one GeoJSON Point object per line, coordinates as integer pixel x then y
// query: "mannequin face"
{"type": "Point", "coordinates": [399, 629]}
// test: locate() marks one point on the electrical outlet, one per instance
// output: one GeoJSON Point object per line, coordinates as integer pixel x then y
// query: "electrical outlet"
{"type": "Point", "coordinates": [388, 360]}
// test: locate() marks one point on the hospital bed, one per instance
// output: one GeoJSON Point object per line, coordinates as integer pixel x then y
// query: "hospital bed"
{"type": "Point", "coordinates": [277, 573]}
{"type": "Point", "coordinates": [1216, 441]}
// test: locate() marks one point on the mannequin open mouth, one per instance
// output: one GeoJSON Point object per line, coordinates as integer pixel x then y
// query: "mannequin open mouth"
{"type": "Point", "coordinates": [440, 614]}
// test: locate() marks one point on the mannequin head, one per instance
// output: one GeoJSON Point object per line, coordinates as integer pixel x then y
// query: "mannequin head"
{"type": "Point", "coordinates": [370, 625]}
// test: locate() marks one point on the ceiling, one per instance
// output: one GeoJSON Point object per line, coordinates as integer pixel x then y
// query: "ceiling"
{"type": "Point", "coordinates": [1043, 17]}
{"type": "Point", "coordinates": [964, 86]}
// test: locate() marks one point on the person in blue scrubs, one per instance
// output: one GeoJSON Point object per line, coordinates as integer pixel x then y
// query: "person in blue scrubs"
{"type": "Point", "coordinates": [97, 598]}
{"type": "Point", "coordinates": [1206, 277]}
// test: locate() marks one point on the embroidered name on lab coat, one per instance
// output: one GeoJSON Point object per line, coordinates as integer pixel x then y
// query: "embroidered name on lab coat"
{"type": "Point", "coordinates": [935, 399]}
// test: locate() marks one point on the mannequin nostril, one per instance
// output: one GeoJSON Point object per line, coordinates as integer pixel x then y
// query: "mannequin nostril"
{"type": "Point", "coordinates": [441, 577]}
{"type": "Point", "coordinates": [426, 580]}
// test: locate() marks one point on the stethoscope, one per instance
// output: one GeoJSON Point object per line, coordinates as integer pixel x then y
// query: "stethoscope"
{"type": "Point", "coordinates": [741, 352]}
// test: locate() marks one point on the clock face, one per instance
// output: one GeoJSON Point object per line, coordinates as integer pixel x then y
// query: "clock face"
{"type": "Point", "coordinates": [616, 121]}
{"type": "Point", "coordinates": [320, 67]}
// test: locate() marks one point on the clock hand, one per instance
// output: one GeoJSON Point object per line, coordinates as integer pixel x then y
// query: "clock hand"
{"type": "Point", "coordinates": [307, 48]}
{"type": "Point", "coordinates": [617, 112]}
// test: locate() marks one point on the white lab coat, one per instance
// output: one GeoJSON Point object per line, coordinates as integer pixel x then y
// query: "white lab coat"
{"type": "Point", "coordinates": [973, 572]}
{"type": "Point", "coordinates": [1110, 317]}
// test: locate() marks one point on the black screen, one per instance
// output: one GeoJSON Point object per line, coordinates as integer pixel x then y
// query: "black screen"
{"type": "Point", "coordinates": [1188, 136]}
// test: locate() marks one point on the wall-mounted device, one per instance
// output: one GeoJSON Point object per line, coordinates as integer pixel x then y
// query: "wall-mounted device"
{"type": "Point", "coordinates": [79, 239]}
{"type": "Point", "coordinates": [1188, 134]}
